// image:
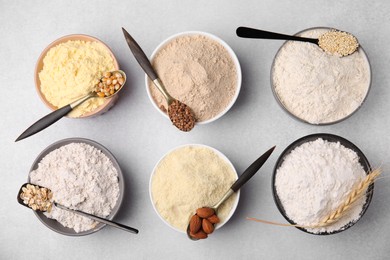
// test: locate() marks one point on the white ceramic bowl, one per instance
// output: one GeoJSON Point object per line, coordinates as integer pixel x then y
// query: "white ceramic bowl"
{"type": "Point", "coordinates": [223, 157]}
{"type": "Point", "coordinates": [229, 50]}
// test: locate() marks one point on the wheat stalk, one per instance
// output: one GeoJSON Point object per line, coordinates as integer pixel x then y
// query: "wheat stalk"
{"type": "Point", "coordinates": [359, 190]}
{"type": "Point", "coordinates": [356, 193]}
{"type": "Point", "coordinates": [273, 223]}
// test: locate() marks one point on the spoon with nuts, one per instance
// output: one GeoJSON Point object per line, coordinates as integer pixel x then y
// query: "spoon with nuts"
{"type": "Point", "coordinates": [333, 42]}
{"type": "Point", "coordinates": [40, 198]}
{"type": "Point", "coordinates": [179, 113]}
{"type": "Point", "coordinates": [202, 223]}
{"type": "Point", "coordinates": [109, 85]}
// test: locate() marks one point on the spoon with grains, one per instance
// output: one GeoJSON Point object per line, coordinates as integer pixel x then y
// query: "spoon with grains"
{"type": "Point", "coordinates": [333, 42]}
{"type": "Point", "coordinates": [202, 223]}
{"type": "Point", "coordinates": [40, 198]}
{"type": "Point", "coordinates": [109, 85]}
{"type": "Point", "coordinates": [179, 113]}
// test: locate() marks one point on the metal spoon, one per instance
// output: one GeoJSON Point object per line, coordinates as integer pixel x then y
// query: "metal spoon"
{"type": "Point", "coordinates": [61, 112]}
{"type": "Point", "coordinates": [96, 218]}
{"type": "Point", "coordinates": [184, 112]}
{"type": "Point", "coordinates": [248, 173]}
{"type": "Point", "coordinates": [246, 32]}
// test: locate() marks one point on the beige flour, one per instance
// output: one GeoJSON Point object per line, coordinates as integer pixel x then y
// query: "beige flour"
{"type": "Point", "coordinates": [71, 70]}
{"type": "Point", "coordinates": [199, 72]}
{"type": "Point", "coordinates": [318, 87]}
{"type": "Point", "coordinates": [189, 178]}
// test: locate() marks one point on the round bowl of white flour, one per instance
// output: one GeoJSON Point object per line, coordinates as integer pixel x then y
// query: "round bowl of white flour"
{"type": "Point", "coordinates": [314, 176]}
{"type": "Point", "coordinates": [83, 175]}
{"type": "Point", "coordinates": [189, 177]}
{"type": "Point", "coordinates": [316, 87]}
{"type": "Point", "coordinates": [200, 70]}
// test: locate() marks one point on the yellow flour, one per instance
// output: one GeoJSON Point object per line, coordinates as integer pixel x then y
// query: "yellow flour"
{"type": "Point", "coordinates": [70, 71]}
{"type": "Point", "coordinates": [189, 178]}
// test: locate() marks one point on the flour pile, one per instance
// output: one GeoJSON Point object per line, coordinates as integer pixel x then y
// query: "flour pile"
{"type": "Point", "coordinates": [81, 177]}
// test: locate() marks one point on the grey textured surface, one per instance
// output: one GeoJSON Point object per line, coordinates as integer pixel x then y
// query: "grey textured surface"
{"type": "Point", "coordinates": [138, 135]}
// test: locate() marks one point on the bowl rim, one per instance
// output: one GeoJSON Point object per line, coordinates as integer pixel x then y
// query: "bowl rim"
{"type": "Point", "coordinates": [69, 231]}
{"type": "Point", "coordinates": [285, 109]}
{"type": "Point", "coordinates": [38, 68]}
{"type": "Point", "coordinates": [222, 156]}
{"type": "Point", "coordinates": [330, 138]}
{"type": "Point", "coordinates": [228, 49]}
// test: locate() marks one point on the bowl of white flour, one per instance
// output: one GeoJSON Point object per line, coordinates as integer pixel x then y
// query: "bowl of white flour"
{"type": "Point", "coordinates": [316, 87]}
{"type": "Point", "coordinates": [314, 176]}
{"type": "Point", "coordinates": [83, 175]}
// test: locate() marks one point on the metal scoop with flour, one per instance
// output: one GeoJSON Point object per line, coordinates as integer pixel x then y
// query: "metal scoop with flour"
{"type": "Point", "coordinates": [61, 112]}
{"type": "Point", "coordinates": [179, 113]}
{"type": "Point", "coordinates": [335, 42]}
{"type": "Point", "coordinates": [248, 173]}
{"type": "Point", "coordinates": [39, 198]}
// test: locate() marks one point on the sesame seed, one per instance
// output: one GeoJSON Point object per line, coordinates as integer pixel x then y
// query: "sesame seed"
{"type": "Point", "coordinates": [338, 43]}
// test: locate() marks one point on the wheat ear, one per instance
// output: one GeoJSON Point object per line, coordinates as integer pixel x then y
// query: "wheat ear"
{"type": "Point", "coordinates": [355, 194]}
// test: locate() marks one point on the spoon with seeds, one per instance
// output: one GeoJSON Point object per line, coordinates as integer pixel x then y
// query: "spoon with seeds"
{"type": "Point", "coordinates": [179, 113]}
{"type": "Point", "coordinates": [333, 42]}
{"type": "Point", "coordinates": [202, 223]}
{"type": "Point", "coordinates": [109, 85]}
{"type": "Point", "coordinates": [40, 198]}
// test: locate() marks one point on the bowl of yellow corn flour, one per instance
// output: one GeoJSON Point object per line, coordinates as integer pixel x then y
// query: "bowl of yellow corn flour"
{"type": "Point", "coordinates": [69, 68]}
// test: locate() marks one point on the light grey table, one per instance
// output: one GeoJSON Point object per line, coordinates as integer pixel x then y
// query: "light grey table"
{"type": "Point", "coordinates": [140, 135]}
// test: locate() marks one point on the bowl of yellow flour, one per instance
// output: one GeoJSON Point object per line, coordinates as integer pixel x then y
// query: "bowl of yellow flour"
{"type": "Point", "coordinates": [189, 177]}
{"type": "Point", "coordinates": [69, 68]}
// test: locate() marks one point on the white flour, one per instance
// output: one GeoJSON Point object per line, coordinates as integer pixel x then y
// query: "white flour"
{"type": "Point", "coordinates": [80, 177]}
{"type": "Point", "coordinates": [318, 87]}
{"type": "Point", "coordinates": [314, 179]}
